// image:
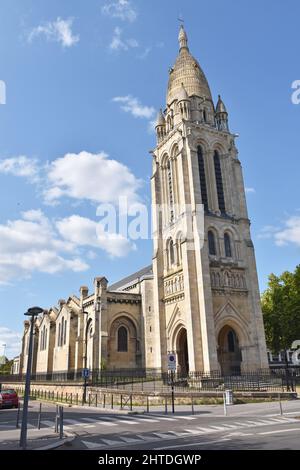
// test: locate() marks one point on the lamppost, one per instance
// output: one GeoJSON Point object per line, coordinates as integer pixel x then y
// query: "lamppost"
{"type": "Point", "coordinates": [31, 312]}
{"type": "Point", "coordinates": [85, 360]}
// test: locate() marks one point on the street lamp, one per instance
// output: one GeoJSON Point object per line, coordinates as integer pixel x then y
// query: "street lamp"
{"type": "Point", "coordinates": [85, 370]}
{"type": "Point", "coordinates": [31, 312]}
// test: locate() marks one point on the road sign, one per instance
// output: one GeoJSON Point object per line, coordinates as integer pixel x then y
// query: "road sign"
{"type": "Point", "coordinates": [172, 361]}
{"type": "Point", "coordinates": [86, 373]}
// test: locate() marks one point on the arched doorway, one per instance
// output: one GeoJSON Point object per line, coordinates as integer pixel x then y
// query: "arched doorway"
{"type": "Point", "coordinates": [229, 352]}
{"type": "Point", "coordinates": [182, 352]}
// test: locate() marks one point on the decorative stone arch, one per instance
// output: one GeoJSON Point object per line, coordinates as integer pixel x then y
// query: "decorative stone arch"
{"type": "Point", "coordinates": [127, 358]}
{"type": "Point", "coordinates": [226, 320]}
{"type": "Point", "coordinates": [218, 147]}
{"type": "Point", "coordinates": [215, 231]}
{"type": "Point", "coordinates": [174, 150]}
{"type": "Point", "coordinates": [179, 238]}
{"type": "Point", "coordinates": [164, 160]}
{"type": "Point", "coordinates": [179, 345]}
{"type": "Point", "coordinates": [200, 142]}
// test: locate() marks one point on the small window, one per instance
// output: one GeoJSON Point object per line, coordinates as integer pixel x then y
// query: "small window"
{"type": "Point", "coordinates": [58, 336]}
{"type": "Point", "coordinates": [211, 243]}
{"type": "Point", "coordinates": [150, 329]}
{"type": "Point", "coordinates": [65, 332]}
{"type": "Point", "coordinates": [204, 115]}
{"type": "Point", "coordinates": [122, 339]}
{"type": "Point", "coordinates": [171, 252]}
{"type": "Point", "coordinates": [227, 246]}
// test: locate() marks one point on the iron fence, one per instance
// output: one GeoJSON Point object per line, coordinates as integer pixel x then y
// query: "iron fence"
{"type": "Point", "coordinates": [271, 379]}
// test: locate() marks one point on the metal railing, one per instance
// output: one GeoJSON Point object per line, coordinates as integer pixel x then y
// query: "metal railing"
{"type": "Point", "coordinates": [155, 380]}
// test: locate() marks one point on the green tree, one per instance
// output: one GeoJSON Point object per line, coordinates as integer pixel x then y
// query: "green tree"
{"type": "Point", "coordinates": [281, 310]}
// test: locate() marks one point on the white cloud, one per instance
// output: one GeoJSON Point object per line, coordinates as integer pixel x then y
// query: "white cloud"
{"type": "Point", "coordinates": [283, 235]}
{"type": "Point", "coordinates": [122, 9]}
{"type": "Point", "coordinates": [132, 105]}
{"type": "Point", "coordinates": [290, 233]}
{"type": "Point", "coordinates": [250, 190]}
{"type": "Point", "coordinates": [89, 176]}
{"type": "Point", "coordinates": [12, 340]}
{"type": "Point", "coordinates": [119, 44]}
{"type": "Point", "coordinates": [86, 232]}
{"type": "Point", "coordinates": [57, 31]}
{"type": "Point", "coordinates": [31, 244]}
{"type": "Point", "coordinates": [20, 166]}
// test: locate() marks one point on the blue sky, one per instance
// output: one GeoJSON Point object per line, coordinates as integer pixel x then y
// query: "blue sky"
{"type": "Point", "coordinates": [83, 83]}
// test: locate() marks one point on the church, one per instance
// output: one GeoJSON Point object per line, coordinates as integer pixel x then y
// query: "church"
{"type": "Point", "coordinates": [200, 296]}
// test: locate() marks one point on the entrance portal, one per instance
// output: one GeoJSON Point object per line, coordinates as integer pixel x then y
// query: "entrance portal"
{"type": "Point", "coordinates": [229, 353]}
{"type": "Point", "coordinates": [182, 352]}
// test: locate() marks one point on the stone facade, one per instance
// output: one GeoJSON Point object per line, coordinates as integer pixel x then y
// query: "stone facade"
{"type": "Point", "coordinates": [200, 297]}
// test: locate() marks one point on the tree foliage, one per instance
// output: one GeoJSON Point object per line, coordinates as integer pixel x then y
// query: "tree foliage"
{"type": "Point", "coordinates": [281, 310]}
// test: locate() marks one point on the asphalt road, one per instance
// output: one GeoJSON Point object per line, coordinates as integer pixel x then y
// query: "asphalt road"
{"type": "Point", "coordinates": [252, 426]}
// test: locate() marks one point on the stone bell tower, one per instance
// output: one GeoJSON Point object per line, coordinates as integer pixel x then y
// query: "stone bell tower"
{"type": "Point", "coordinates": [206, 291]}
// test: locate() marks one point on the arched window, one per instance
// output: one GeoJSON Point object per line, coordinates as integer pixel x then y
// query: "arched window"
{"type": "Point", "coordinates": [211, 243]}
{"type": "Point", "coordinates": [204, 115]}
{"type": "Point", "coordinates": [231, 339]}
{"type": "Point", "coordinates": [227, 246]}
{"type": "Point", "coordinates": [219, 182]}
{"type": "Point", "coordinates": [122, 339]}
{"type": "Point", "coordinates": [42, 341]}
{"type": "Point", "coordinates": [202, 178]}
{"type": "Point", "coordinates": [59, 334]}
{"type": "Point", "coordinates": [170, 188]}
{"type": "Point", "coordinates": [62, 331]}
{"type": "Point", "coordinates": [65, 332]}
{"type": "Point", "coordinates": [45, 339]}
{"type": "Point", "coordinates": [171, 252]}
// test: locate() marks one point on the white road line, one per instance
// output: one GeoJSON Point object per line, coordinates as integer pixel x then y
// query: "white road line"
{"type": "Point", "coordinates": [186, 417]}
{"type": "Point", "coordinates": [164, 418]}
{"type": "Point", "coordinates": [279, 431]}
{"type": "Point", "coordinates": [206, 429]}
{"type": "Point", "coordinates": [48, 423]}
{"type": "Point", "coordinates": [161, 435]}
{"type": "Point", "coordinates": [126, 421]}
{"type": "Point", "coordinates": [109, 442]}
{"type": "Point", "coordinates": [147, 438]}
{"type": "Point", "coordinates": [149, 420]}
{"type": "Point", "coordinates": [219, 428]}
{"type": "Point", "coordinates": [99, 421]}
{"type": "Point", "coordinates": [130, 440]}
{"type": "Point", "coordinates": [178, 434]}
{"type": "Point", "coordinates": [193, 444]}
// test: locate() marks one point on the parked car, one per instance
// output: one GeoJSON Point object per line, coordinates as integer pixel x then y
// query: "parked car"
{"type": "Point", "coordinates": [9, 398]}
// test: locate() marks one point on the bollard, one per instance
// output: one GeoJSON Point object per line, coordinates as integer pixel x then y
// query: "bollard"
{"type": "Point", "coordinates": [39, 417]}
{"type": "Point", "coordinates": [104, 399]}
{"type": "Point", "coordinates": [121, 400]}
{"type": "Point", "coordinates": [61, 422]}
{"type": "Point", "coordinates": [130, 402]}
{"type": "Point", "coordinates": [280, 404]}
{"type": "Point", "coordinates": [18, 415]}
{"type": "Point", "coordinates": [112, 401]}
{"type": "Point", "coordinates": [56, 420]}
{"type": "Point", "coordinates": [96, 400]}
{"type": "Point", "coordinates": [147, 404]}
{"type": "Point", "coordinates": [224, 404]}
{"type": "Point", "coordinates": [192, 403]}
{"type": "Point", "coordinates": [76, 398]}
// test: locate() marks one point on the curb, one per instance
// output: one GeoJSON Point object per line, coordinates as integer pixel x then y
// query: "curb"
{"type": "Point", "coordinates": [69, 438]}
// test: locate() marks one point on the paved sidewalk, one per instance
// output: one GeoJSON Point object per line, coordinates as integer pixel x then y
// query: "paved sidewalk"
{"type": "Point", "coordinates": [37, 439]}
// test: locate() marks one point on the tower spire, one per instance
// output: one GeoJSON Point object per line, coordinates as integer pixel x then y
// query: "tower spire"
{"type": "Point", "coordinates": [182, 38]}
